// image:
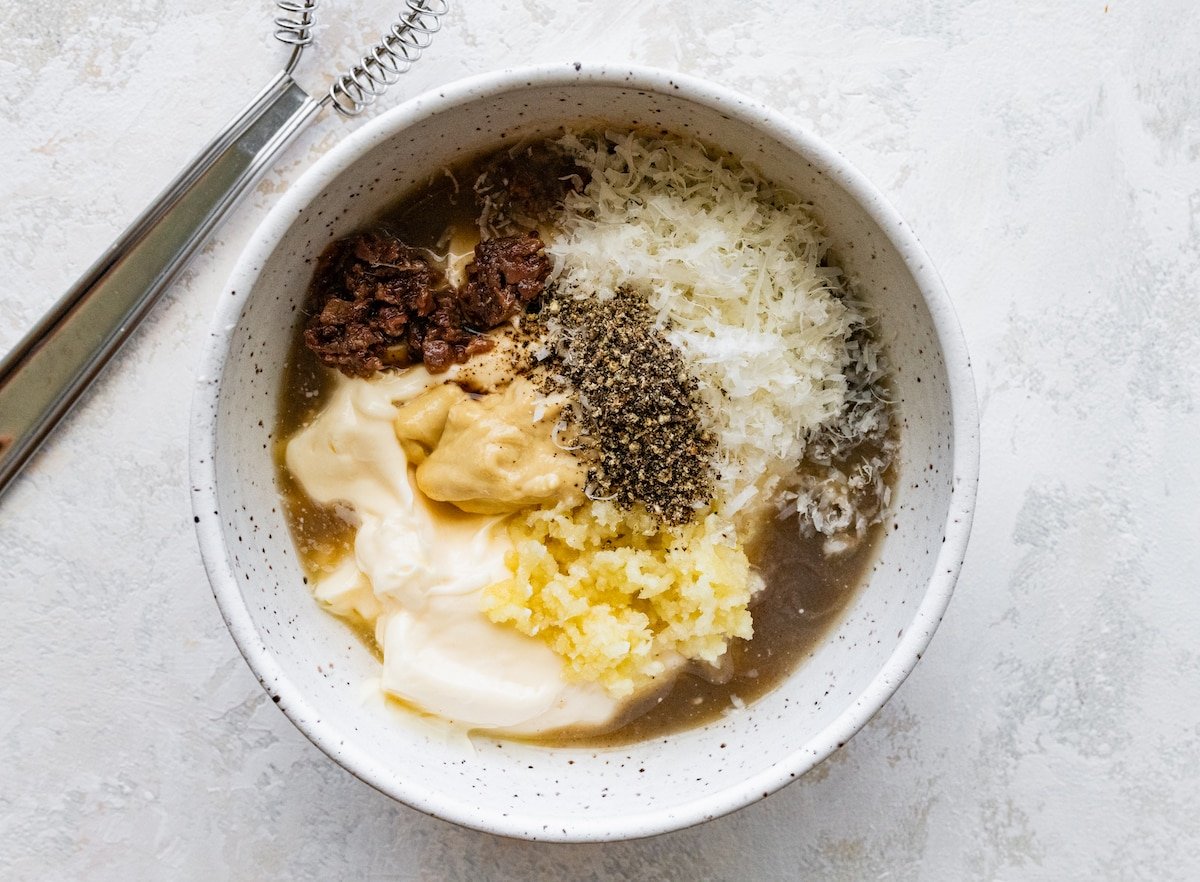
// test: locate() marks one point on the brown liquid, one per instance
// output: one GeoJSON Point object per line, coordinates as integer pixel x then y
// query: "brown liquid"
{"type": "Point", "coordinates": [805, 595]}
{"type": "Point", "coordinates": [322, 533]}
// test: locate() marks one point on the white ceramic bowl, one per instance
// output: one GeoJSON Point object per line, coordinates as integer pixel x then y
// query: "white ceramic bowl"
{"type": "Point", "coordinates": [311, 666]}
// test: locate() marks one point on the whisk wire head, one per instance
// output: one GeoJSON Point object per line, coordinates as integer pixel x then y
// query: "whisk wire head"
{"type": "Point", "coordinates": [294, 23]}
{"type": "Point", "coordinates": [391, 57]}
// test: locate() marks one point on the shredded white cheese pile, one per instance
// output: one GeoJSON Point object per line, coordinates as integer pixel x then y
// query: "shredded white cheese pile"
{"type": "Point", "coordinates": [733, 265]}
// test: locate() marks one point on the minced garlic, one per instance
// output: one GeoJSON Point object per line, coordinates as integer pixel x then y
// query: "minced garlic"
{"type": "Point", "coordinates": [620, 596]}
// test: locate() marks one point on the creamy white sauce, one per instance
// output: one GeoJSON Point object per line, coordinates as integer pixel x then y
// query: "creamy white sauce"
{"type": "Point", "coordinates": [417, 571]}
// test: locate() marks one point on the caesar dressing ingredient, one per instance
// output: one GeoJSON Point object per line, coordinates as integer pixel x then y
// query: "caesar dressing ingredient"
{"type": "Point", "coordinates": [523, 188]}
{"type": "Point", "coordinates": [377, 303]}
{"type": "Point", "coordinates": [419, 423]}
{"type": "Point", "coordinates": [639, 416]}
{"type": "Point", "coordinates": [497, 454]}
{"type": "Point", "coordinates": [621, 597]}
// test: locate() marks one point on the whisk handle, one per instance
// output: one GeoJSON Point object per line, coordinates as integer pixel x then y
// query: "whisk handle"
{"type": "Point", "coordinates": [48, 371]}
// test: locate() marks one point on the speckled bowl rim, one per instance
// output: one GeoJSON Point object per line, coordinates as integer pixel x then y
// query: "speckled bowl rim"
{"type": "Point", "coordinates": [964, 424]}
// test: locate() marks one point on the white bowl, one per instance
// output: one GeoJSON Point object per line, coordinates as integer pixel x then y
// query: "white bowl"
{"type": "Point", "coordinates": [307, 660]}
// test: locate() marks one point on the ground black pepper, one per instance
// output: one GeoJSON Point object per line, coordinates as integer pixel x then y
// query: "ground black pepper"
{"type": "Point", "coordinates": [639, 412]}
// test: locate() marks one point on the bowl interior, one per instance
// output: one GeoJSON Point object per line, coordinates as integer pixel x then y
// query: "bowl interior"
{"type": "Point", "coordinates": [316, 669]}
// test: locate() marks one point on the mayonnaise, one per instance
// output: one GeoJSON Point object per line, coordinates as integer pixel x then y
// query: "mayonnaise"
{"type": "Point", "coordinates": [418, 569]}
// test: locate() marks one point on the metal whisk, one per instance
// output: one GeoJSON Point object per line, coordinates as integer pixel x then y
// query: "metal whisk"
{"type": "Point", "coordinates": [46, 373]}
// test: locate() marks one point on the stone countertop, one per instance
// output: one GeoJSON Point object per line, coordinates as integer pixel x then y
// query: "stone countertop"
{"type": "Point", "coordinates": [1049, 159]}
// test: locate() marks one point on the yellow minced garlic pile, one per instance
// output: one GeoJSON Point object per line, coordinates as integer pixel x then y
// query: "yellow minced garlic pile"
{"type": "Point", "coordinates": [615, 593]}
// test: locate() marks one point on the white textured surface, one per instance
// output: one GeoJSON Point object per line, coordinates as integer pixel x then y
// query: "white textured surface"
{"type": "Point", "coordinates": [1050, 161]}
